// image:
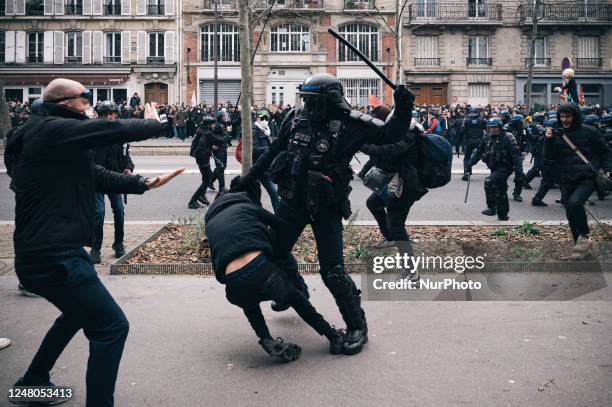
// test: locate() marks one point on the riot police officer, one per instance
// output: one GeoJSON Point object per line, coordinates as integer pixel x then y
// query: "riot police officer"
{"type": "Point", "coordinates": [473, 130]}
{"type": "Point", "coordinates": [310, 162]}
{"type": "Point", "coordinates": [499, 150]}
{"type": "Point", "coordinates": [515, 126]}
{"type": "Point", "coordinates": [220, 150]}
{"type": "Point", "coordinates": [605, 126]}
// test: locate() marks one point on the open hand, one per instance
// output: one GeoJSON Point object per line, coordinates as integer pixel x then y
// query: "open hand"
{"type": "Point", "coordinates": [162, 179]}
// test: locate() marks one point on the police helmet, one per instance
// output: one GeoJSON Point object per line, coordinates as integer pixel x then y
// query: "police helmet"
{"type": "Point", "coordinates": [494, 126]}
{"type": "Point", "coordinates": [106, 107]}
{"type": "Point", "coordinates": [551, 122]}
{"type": "Point", "coordinates": [504, 114]}
{"type": "Point", "coordinates": [586, 110]}
{"type": "Point", "coordinates": [208, 120]}
{"type": "Point", "coordinates": [591, 120]}
{"type": "Point", "coordinates": [552, 113]}
{"type": "Point", "coordinates": [517, 118]}
{"type": "Point", "coordinates": [538, 117]}
{"type": "Point", "coordinates": [223, 117]}
{"type": "Point", "coordinates": [474, 110]}
{"type": "Point", "coordinates": [606, 120]}
{"type": "Point", "coordinates": [324, 87]}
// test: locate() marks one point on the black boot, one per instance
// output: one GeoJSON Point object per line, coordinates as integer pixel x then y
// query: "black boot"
{"type": "Point", "coordinates": [489, 212]}
{"type": "Point", "coordinates": [527, 186]}
{"type": "Point", "coordinates": [95, 256]}
{"type": "Point", "coordinates": [517, 197]}
{"type": "Point", "coordinates": [503, 217]}
{"type": "Point", "coordinates": [285, 350]}
{"type": "Point", "coordinates": [119, 249]}
{"type": "Point", "coordinates": [336, 340]}
{"type": "Point", "coordinates": [193, 205]}
{"type": "Point", "coordinates": [202, 199]}
{"type": "Point", "coordinates": [538, 202]}
{"type": "Point", "coordinates": [355, 339]}
{"type": "Point", "coordinates": [465, 177]}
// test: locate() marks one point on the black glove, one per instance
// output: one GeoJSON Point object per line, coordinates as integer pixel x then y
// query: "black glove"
{"type": "Point", "coordinates": [404, 98]}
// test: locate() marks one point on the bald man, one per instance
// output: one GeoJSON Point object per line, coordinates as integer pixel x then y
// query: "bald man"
{"type": "Point", "coordinates": [55, 180]}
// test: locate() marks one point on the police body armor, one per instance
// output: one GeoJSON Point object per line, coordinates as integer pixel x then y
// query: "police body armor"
{"type": "Point", "coordinates": [302, 171]}
{"type": "Point", "coordinates": [495, 154]}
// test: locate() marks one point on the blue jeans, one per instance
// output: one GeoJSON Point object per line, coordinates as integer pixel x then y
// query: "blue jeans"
{"type": "Point", "coordinates": [68, 280]}
{"type": "Point", "coordinates": [116, 201]}
{"type": "Point", "coordinates": [270, 187]}
{"type": "Point", "coordinates": [182, 132]}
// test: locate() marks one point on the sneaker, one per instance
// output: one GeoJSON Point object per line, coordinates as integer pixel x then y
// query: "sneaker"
{"type": "Point", "coordinates": [489, 212]}
{"type": "Point", "coordinates": [95, 256]}
{"type": "Point", "coordinates": [45, 403]}
{"type": "Point", "coordinates": [193, 205]}
{"type": "Point", "coordinates": [26, 293]}
{"type": "Point", "coordinates": [119, 250]}
{"type": "Point", "coordinates": [538, 202]}
{"type": "Point", "coordinates": [583, 250]}
{"type": "Point", "coordinates": [517, 197]}
{"type": "Point", "coordinates": [5, 343]}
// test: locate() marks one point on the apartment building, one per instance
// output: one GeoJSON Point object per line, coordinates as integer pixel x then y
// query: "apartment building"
{"type": "Point", "coordinates": [113, 47]}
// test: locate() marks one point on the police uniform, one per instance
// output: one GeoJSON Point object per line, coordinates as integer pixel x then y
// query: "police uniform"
{"type": "Point", "coordinates": [473, 129]}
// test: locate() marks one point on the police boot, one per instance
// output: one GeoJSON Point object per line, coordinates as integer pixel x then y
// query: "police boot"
{"type": "Point", "coordinates": [465, 177]}
{"type": "Point", "coordinates": [336, 340]}
{"type": "Point", "coordinates": [538, 202]}
{"type": "Point", "coordinates": [489, 212]}
{"type": "Point", "coordinates": [490, 196]}
{"type": "Point", "coordinates": [279, 348]}
{"type": "Point", "coordinates": [119, 249]}
{"type": "Point", "coordinates": [517, 197]}
{"type": "Point", "coordinates": [503, 206]}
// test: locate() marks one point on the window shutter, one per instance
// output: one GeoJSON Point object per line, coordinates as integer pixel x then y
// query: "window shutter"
{"type": "Point", "coordinates": [126, 45]}
{"type": "Point", "coordinates": [58, 47]}
{"type": "Point", "coordinates": [48, 47]}
{"type": "Point", "coordinates": [126, 7]}
{"type": "Point", "coordinates": [20, 47]}
{"type": "Point", "coordinates": [20, 7]}
{"type": "Point", "coordinates": [48, 7]}
{"type": "Point", "coordinates": [59, 7]}
{"type": "Point", "coordinates": [9, 47]}
{"type": "Point", "coordinates": [96, 7]}
{"type": "Point", "coordinates": [87, 7]}
{"type": "Point", "coordinates": [427, 46]}
{"type": "Point", "coordinates": [169, 47]}
{"type": "Point", "coordinates": [141, 47]}
{"type": "Point", "coordinates": [141, 7]}
{"type": "Point", "coordinates": [9, 8]}
{"type": "Point", "coordinates": [169, 10]}
{"type": "Point", "coordinates": [87, 47]}
{"type": "Point", "coordinates": [97, 47]}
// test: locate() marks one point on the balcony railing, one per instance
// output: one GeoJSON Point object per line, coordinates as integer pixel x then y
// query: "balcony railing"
{"type": "Point", "coordinates": [538, 62]}
{"type": "Point", "coordinates": [359, 5]}
{"type": "Point", "coordinates": [221, 5]}
{"type": "Point", "coordinates": [589, 61]}
{"type": "Point", "coordinates": [426, 61]}
{"type": "Point", "coordinates": [112, 60]}
{"type": "Point", "coordinates": [289, 4]}
{"type": "Point", "coordinates": [480, 61]}
{"type": "Point", "coordinates": [112, 9]}
{"type": "Point", "coordinates": [73, 60]}
{"type": "Point", "coordinates": [156, 9]}
{"type": "Point", "coordinates": [568, 12]}
{"type": "Point", "coordinates": [73, 9]}
{"type": "Point", "coordinates": [156, 60]}
{"type": "Point", "coordinates": [456, 13]}
{"type": "Point", "coordinates": [34, 59]}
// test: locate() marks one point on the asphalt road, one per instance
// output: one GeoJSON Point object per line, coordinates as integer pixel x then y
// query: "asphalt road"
{"type": "Point", "coordinates": [443, 204]}
{"type": "Point", "coordinates": [189, 347]}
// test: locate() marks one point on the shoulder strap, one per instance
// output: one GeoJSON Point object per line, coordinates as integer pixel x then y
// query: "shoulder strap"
{"type": "Point", "coordinates": [578, 152]}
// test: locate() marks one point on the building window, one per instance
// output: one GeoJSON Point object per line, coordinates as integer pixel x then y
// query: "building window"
{"type": "Point", "coordinates": [538, 93]}
{"type": "Point", "coordinates": [588, 51]}
{"type": "Point", "coordinates": [427, 51]}
{"type": "Point", "coordinates": [74, 48]}
{"type": "Point", "coordinates": [74, 7]}
{"type": "Point", "coordinates": [478, 50]}
{"type": "Point", "coordinates": [35, 7]}
{"type": "Point", "coordinates": [478, 94]}
{"type": "Point", "coordinates": [592, 94]}
{"type": "Point", "coordinates": [112, 7]}
{"type": "Point", "coordinates": [228, 43]}
{"type": "Point", "coordinates": [477, 8]}
{"type": "Point", "coordinates": [35, 47]}
{"type": "Point", "coordinates": [112, 48]}
{"type": "Point", "coordinates": [34, 93]}
{"type": "Point", "coordinates": [540, 57]}
{"type": "Point", "coordinates": [2, 43]}
{"type": "Point", "coordinates": [426, 8]}
{"type": "Point", "coordinates": [2, 7]}
{"type": "Point", "coordinates": [156, 7]}
{"type": "Point", "coordinates": [357, 90]}
{"type": "Point", "coordinates": [289, 38]}
{"type": "Point", "coordinates": [364, 37]}
{"type": "Point", "coordinates": [156, 48]}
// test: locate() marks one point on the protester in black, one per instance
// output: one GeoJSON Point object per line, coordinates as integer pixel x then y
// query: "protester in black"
{"type": "Point", "coordinates": [55, 180]}
{"type": "Point", "coordinates": [241, 245]}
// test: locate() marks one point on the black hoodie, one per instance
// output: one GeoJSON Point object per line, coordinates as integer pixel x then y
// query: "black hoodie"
{"type": "Point", "coordinates": [55, 178]}
{"type": "Point", "coordinates": [235, 225]}
{"type": "Point", "coordinates": [586, 138]}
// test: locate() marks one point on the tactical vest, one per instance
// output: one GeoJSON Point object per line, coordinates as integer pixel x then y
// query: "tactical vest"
{"type": "Point", "coordinates": [496, 154]}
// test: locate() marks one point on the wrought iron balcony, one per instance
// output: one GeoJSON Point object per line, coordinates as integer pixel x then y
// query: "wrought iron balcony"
{"type": "Point", "coordinates": [359, 5]}
{"type": "Point", "coordinates": [289, 4]}
{"type": "Point", "coordinates": [156, 9]}
{"type": "Point", "coordinates": [73, 60]}
{"type": "Point", "coordinates": [567, 12]}
{"type": "Point", "coordinates": [538, 62]}
{"type": "Point", "coordinates": [589, 62]}
{"type": "Point", "coordinates": [455, 13]}
{"type": "Point", "coordinates": [222, 5]}
{"type": "Point", "coordinates": [480, 61]}
{"type": "Point", "coordinates": [112, 60]}
{"type": "Point", "coordinates": [34, 59]}
{"type": "Point", "coordinates": [112, 9]}
{"type": "Point", "coordinates": [156, 60]}
{"type": "Point", "coordinates": [73, 9]}
{"type": "Point", "coordinates": [426, 61]}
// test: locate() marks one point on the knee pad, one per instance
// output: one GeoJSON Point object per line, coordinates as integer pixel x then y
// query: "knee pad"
{"type": "Point", "coordinates": [489, 184]}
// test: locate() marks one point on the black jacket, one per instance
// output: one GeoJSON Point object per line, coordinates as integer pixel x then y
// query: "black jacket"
{"type": "Point", "coordinates": [501, 151]}
{"type": "Point", "coordinates": [203, 142]}
{"type": "Point", "coordinates": [235, 225]}
{"type": "Point", "coordinates": [55, 179]}
{"type": "Point", "coordinates": [587, 139]}
{"type": "Point", "coordinates": [474, 127]}
{"type": "Point", "coordinates": [113, 158]}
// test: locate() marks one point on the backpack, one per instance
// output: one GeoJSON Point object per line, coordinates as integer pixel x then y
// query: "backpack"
{"type": "Point", "coordinates": [438, 129]}
{"type": "Point", "coordinates": [435, 160]}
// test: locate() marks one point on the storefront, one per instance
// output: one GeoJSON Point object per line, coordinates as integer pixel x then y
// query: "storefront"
{"type": "Point", "coordinates": [597, 88]}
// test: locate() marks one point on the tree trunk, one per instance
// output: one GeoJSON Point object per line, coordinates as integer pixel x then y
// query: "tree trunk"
{"type": "Point", "coordinates": [245, 87]}
{"type": "Point", "coordinates": [531, 63]}
{"type": "Point", "coordinates": [5, 120]}
{"type": "Point", "coordinates": [216, 62]}
{"type": "Point", "coordinates": [398, 38]}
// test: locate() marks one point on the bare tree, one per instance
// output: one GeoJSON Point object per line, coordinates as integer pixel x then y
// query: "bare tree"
{"type": "Point", "coordinates": [245, 87]}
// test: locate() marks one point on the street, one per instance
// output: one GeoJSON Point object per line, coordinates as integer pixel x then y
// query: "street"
{"type": "Point", "coordinates": [444, 204]}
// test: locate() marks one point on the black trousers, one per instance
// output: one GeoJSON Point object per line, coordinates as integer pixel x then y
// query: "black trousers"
{"type": "Point", "coordinates": [68, 280]}
{"type": "Point", "coordinates": [220, 158]}
{"type": "Point", "coordinates": [391, 215]}
{"type": "Point", "coordinates": [261, 280]}
{"type": "Point", "coordinates": [470, 146]}
{"type": "Point", "coordinates": [574, 195]}
{"type": "Point", "coordinates": [206, 173]}
{"type": "Point", "coordinates": [496, 190]}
